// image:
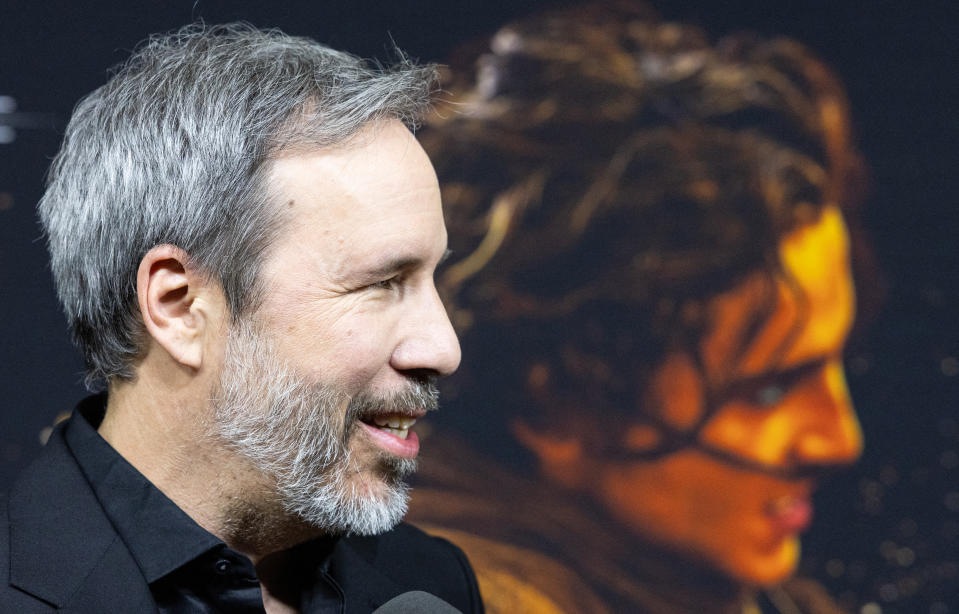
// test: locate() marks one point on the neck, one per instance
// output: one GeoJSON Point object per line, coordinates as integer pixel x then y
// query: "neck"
{"type": "Point", "coordinates": [674, 584]}
{"type": "Point", "coordinates": [663, 581]}
{"type": "Point", "coordinates": [166, 433]}
{"type": "Point", "coordinates": [636, 574]}
{"type": "Point", "coordinates": [278, 583]}
{"type": "Point", "coordinates": [284, 574]}
{"type": "Point", "coordinates": [263, 530]}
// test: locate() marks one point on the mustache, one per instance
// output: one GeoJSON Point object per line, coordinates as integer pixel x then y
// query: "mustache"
{"type": "Point", "coordinates": [417, 395]}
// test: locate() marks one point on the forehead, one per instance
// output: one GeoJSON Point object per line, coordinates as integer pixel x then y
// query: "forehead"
{"type": "Point", "coordinates": [378, 192]}
{"type": "Point", "coordinates": [809, 310]}
{"type": "Point", "coordinates": [382, 161]}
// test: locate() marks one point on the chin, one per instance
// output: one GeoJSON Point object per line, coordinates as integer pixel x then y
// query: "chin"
{"type": "Point", "coordinates": [365, 510]}
{"type": "Point", "coordinates": [345, 499]}
{"type": "Point", "coordinates": [764, 569]}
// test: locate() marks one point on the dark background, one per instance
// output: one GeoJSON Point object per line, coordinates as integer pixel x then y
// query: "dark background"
{"type": "Point", "coordinates": [888, 531]}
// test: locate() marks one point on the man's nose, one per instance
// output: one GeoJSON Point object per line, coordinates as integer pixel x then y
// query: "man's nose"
{"type": "Point", "coordinates": [428, 340]}
{"type": "Point", "coordinates": [831, 434]}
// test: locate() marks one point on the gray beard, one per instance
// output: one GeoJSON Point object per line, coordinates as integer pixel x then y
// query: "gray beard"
{"type": "Point", "coordinates": [296, 432]}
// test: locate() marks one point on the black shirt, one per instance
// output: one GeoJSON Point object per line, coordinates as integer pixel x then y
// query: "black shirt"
{"type": "Point", "coordinates": [187, 568]}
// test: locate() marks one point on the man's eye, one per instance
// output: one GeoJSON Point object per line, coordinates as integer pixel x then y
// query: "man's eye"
{"type": "Point", "coordinates": [386, 284]}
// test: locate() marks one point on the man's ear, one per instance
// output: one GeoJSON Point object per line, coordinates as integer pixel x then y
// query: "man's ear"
{"type": "Point", "coordinates": [178, 304]}
{"type": "Point", "coordinates": [561, 456]}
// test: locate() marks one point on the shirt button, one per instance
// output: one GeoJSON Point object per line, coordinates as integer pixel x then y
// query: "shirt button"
{"type": "Point", "coordinates": [222, 566]}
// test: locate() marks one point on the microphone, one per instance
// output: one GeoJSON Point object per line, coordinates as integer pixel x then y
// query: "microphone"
{"type": "Point", "coordinates": [416, 602]}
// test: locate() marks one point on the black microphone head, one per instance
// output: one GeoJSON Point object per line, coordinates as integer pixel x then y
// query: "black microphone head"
{"type": "Point", "coordinates": [416, 602]}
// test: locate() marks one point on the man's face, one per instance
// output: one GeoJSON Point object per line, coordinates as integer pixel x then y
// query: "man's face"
{"type": "Point", "coordinates": [351, 332]}
{"type": "Point", "coordinates": [783, 405]}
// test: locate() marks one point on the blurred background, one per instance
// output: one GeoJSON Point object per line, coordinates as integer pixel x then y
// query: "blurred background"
{"type": "Point", "coordinates": [887, 532]}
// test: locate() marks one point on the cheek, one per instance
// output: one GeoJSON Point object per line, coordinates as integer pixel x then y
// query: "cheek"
{"type": "Point", "coordinates": [683, 499]}
{"type": "Point", "coordinates": [350, 358]}
{"type": "Point", "coordinates": [706, 511]}
{"type": "Point", "coordinates": [695, 506]}
{"type": "Point", "coordinates": [675, 392]}
{"type": "Point", "coordinates": [330, 345]}
{"type": "Point", "coordinates": [765, 436]}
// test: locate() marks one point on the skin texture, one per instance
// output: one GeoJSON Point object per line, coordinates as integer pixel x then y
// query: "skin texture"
{"type": "Point", "coordinates": [788, 410]}
{"type": "Point", "coordinates": [349, 301]}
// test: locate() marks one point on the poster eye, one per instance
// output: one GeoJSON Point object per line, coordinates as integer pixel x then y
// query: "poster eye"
{"type": "Point", "coordinates": [770, 395]}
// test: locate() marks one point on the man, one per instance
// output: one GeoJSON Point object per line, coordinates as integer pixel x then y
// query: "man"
{"type": "Point", "coordinates": [658, 282]}
{"type": "Point", "coordinates": [243, 234]}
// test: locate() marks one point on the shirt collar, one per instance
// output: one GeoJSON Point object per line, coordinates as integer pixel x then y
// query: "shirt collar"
{"type": "Point", "coordinates": [160, 536]}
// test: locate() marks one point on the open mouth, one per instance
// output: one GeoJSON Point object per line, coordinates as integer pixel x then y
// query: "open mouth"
{"type": "Point", "coordinates": [791, 513]}
{"type": "Point", "coordinates": [393, 424]}
{"type": "Point", "coordinates": [390, 431]}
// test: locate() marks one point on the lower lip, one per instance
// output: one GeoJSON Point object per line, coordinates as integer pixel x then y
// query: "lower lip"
{"type": "Point", "coordinates": [404, 448]}
{"type": "Point", "coordinates": [794, 517]}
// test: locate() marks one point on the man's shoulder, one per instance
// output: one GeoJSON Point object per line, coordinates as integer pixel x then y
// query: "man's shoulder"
{"type": "Point", "coordinates": [49, 486]}
{"type": "Point", "coordinates": [11, 599]}
{"type": "Point", "coordinates": [57, 547]}
{"type": "Point", "coordinates": [416, 561]}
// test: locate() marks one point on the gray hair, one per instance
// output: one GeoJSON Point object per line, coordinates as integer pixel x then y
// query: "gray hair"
{"type": "Point", "coordinates": [175, 149]}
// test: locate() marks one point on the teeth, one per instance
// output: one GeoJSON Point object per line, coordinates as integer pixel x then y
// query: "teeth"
{"type": "Point", "coordinates": [401, 433]}
{"type": "Point", "coordinates": [394, 422]}
{"type": "Point", "coordinates": [398, 426]}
